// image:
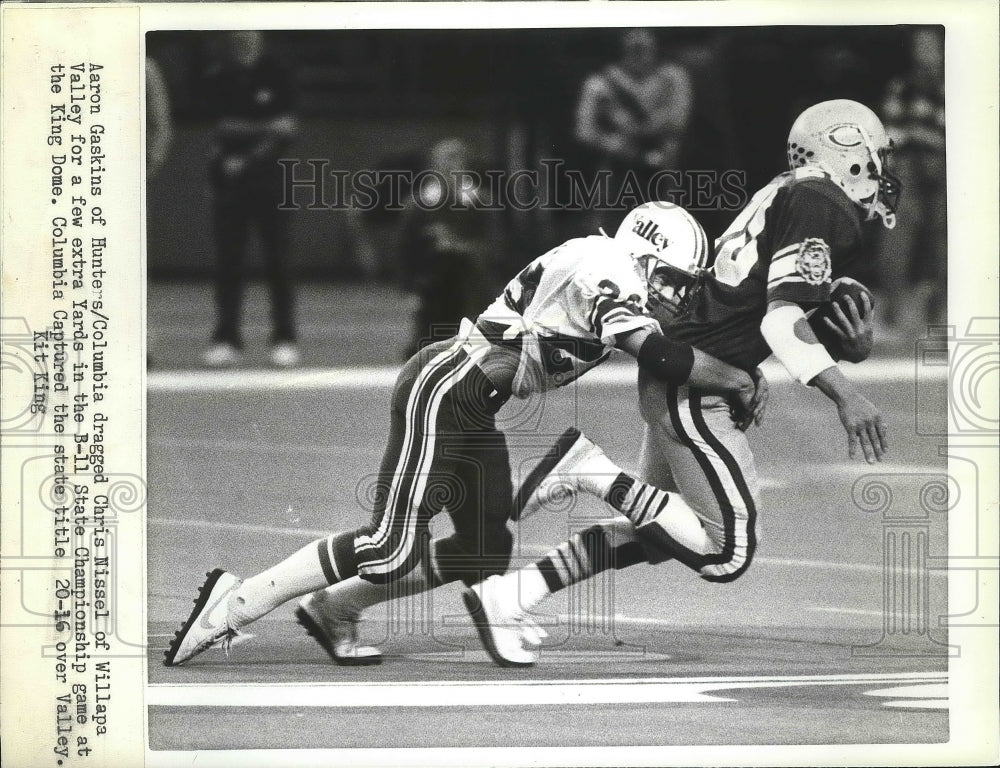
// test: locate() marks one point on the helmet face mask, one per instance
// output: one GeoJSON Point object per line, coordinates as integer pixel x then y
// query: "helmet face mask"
{"type": "Point", "coordinates": [670, 251]}
{"type": "Point", "coordinates": [889, 187]}
{"type": "Point", "coordinates": [668, 288]}
{"type": "Point", "coordinates": [847, 140]}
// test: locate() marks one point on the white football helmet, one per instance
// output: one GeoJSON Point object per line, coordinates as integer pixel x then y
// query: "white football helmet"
{"type": "Point", "coordinates": [849, 142]}
{"type": "Point", "coordinates": [670, 251]}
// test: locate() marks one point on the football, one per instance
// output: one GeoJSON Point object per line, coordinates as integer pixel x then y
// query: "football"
{"type": "Point", "coordinates": [844, 290]}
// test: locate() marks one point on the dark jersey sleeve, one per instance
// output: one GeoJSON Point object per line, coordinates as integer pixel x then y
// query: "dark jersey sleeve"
{"type": "Point", "coordinates": [815, 230]}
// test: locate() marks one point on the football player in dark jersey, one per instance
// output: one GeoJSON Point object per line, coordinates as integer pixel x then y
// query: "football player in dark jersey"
{"type": "Point", "coordinates": [783, 256]}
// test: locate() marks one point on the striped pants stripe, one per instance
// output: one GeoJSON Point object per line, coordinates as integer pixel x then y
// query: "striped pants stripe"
{"type": "Point", "coordinates": [691, 445]}
{"type": "Point", "coordinates": [442, 416]}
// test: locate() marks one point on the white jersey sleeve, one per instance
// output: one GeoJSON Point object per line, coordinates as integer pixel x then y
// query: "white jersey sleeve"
{"type": "Point", "coordinates": [609, 294]}
{"type": "Point", "coordinates": [566, 308]}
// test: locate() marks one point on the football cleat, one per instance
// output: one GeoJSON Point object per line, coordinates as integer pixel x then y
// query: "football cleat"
{"type": "Point", "coordinates": [337, 634]}
{"type": "Point", "coordinates": [495, 610]}
{"type": "Point", "coordinates": [208, 623]}
{"type": "Point", "coordinates": [531, 633]}
{"type": "Point", "coordinates": [558, 475]}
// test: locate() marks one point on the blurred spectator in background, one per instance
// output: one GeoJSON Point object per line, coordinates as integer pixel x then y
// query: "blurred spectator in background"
{"type": "Point", "coordinates": [159, 133]}
{"type": "Point", "coordinates": [442, 245]}
{"type": "Point", "coordinates": [250, 96]}
{"type": "Point", "coordinates": [710, 143]}
{"type": "Point", "coordinates": [913, 267]}
{"type": "Point", "coordinates": [159, 127]}
{"type": "Point", "coordinates": [632, 116]}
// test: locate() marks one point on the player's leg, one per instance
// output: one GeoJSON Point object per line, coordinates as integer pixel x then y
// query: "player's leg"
{"type": "Point", "coordinates": [607, 544]}
{"type": "Point", "coordinates": [230, 231]}
{"type": "Point", "coordinates": [713, 466]}
{"type": "Point", "coordinates": [334, 558]}
{"type": "Point", "coordinates": [478, 501]}
{"type": "Point", "coordinates": [689, 443]}
{"type": "Point", "coordinates": [654, 466]}
{"type": "Point", "coordinates": [476, 495]}
{"type": "Point", "coordinates": [482, 543]}
{"type": "Point", "coordinates": [383, 551]}
{"type": "Point", "coordinates": [274, 226]}
{"type": "Point", "coordinates": [331, 614]}
{"type": "Point", "coordinates": [577, 465]}
{"type": "Point", "coordinates": [692, 439]}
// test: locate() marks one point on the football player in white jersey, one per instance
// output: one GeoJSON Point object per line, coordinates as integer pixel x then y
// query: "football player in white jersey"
{"type": "Point", "coordinates": [799, 238]}
{"type": "Point", "coordinates": [560, 317]}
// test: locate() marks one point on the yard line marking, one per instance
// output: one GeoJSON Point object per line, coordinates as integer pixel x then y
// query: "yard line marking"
{"type": "Point", "coordinates": [926, 696]}
{"type": "Point", "coordinates": [258, 446]}
{"type": "Point", "coordinates": [268, 379]}
{"type": "Point", "coordinates": [239, 527]}
{"type": "Point", "coordinates": [845, 611]}
{"type": "Point", "coordinates": [822, 564]}
{"type": "Point", "coordinates": [319, 331]}
{"type": "Point", "coordinates": [918, 704]}
{"type": "Point", "coordinates": [499, 693]}
{"type": "Point", "coordinates": [825, 565]}
{"type": "Point", "coordinates": [924, 691]}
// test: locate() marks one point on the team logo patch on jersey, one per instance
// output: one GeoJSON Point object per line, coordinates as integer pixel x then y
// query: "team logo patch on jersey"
{"type": "Point", "coordinates": [813, 261]}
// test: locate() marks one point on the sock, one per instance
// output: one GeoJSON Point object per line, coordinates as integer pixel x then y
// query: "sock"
{"type": "Point", "coordinates": [639, 502]}
{"type": "Point", "coordinates": [598, 474]}
{"type": "Point", "coordinates": [583, 555]}
{"type": "Point", "coordinates": [304, 571]}
{"type": "Point", "coordinates": [353, 596]}
{"type": "Point", "coordinates": [532, 585]}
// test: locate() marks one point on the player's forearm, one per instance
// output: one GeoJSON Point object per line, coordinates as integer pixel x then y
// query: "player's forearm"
{"type": "Point", "coordinates": [793, 342]}
{"type": "Point", "coordinates": [675, 362]}
{"type": "Point", "coordinates": [710, 374]}
{"type": "Point", "coordinates": [834, 385]}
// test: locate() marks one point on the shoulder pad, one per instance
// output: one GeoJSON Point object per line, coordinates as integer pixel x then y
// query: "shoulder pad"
{"type": "Point", "coordinates": [820, 189]}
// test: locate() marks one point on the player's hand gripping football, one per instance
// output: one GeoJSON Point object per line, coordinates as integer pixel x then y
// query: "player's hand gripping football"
{"type": "Point", "coordinates": [853, 328]}
{"type": "Point", "coordinates": [750, 409]}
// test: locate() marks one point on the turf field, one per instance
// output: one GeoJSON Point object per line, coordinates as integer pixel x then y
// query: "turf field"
{"type": "Point", "coordinates": [831, 638]}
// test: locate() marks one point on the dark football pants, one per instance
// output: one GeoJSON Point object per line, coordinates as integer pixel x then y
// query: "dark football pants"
{"type": "Point", "coordinates": [236, 210]}
{"type": "Point", "coordinates": [444, 453]}
{"type": "Point", "coordinates": [692, 445]}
